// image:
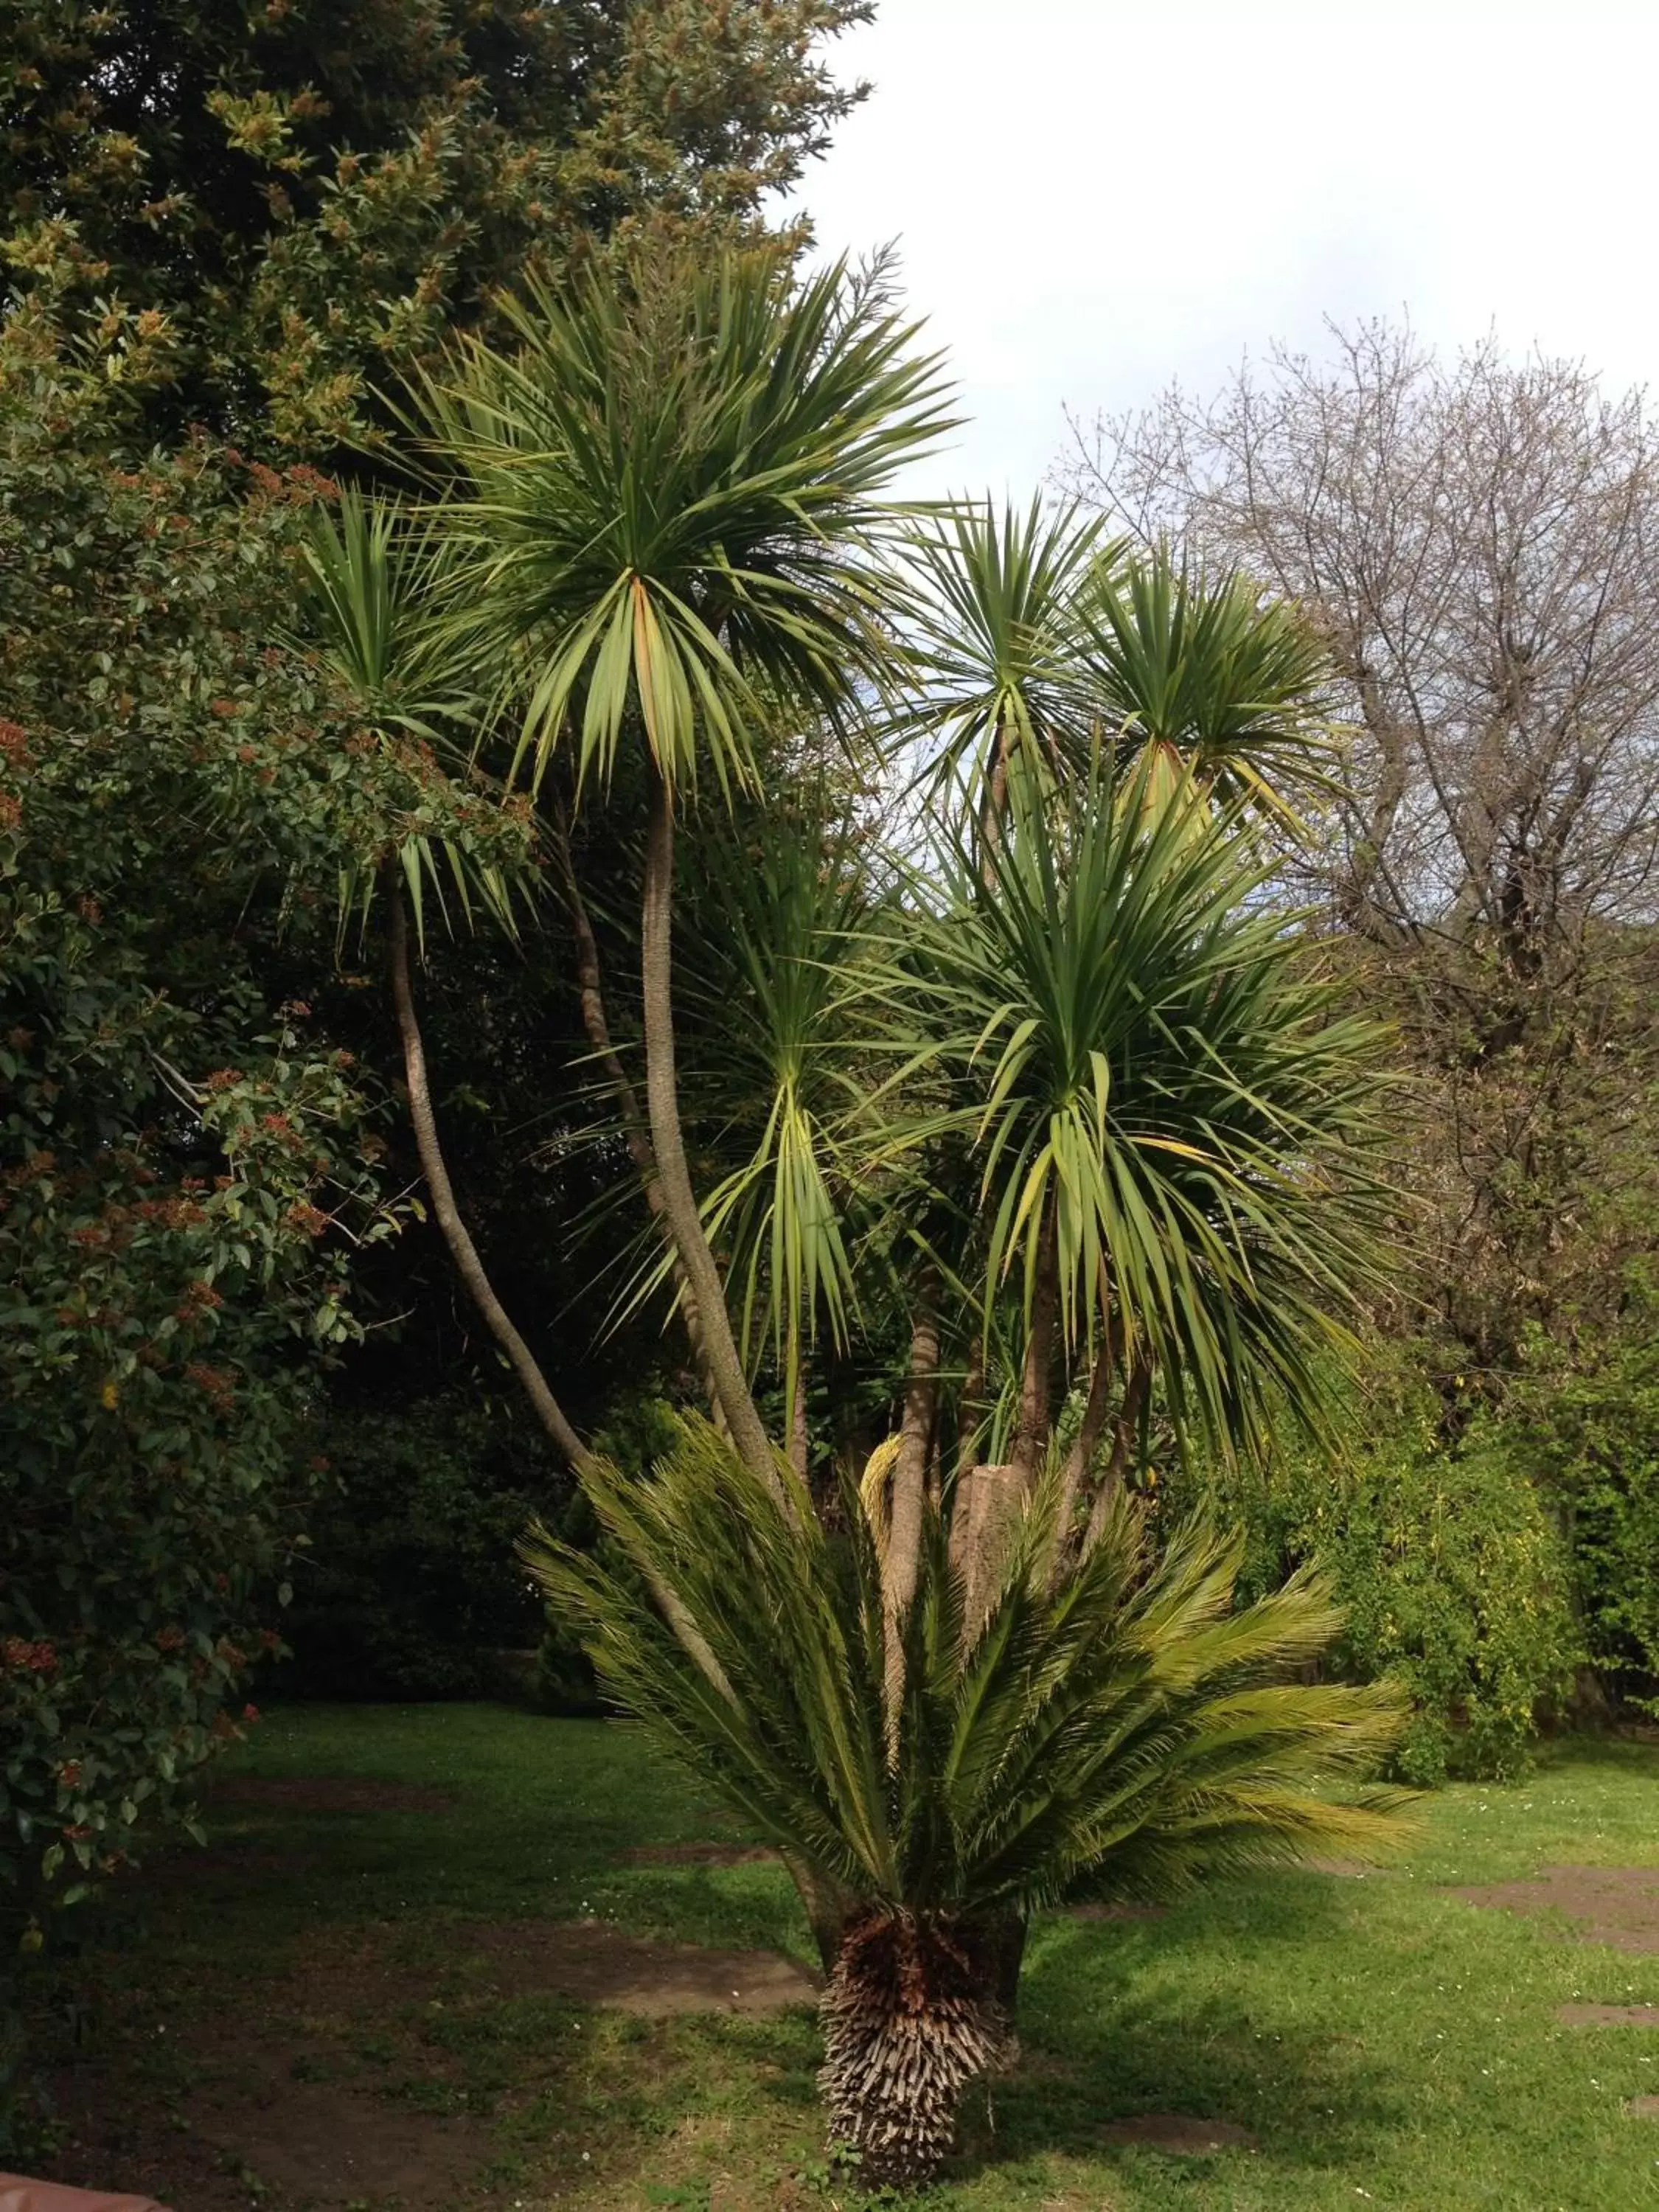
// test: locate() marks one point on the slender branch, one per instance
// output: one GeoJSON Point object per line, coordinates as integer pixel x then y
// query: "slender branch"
{"type": "Point", "coordinates": [462, 1250]}
{"type": "Point", "coordinates": [1123, 1438]}
{"type": "Point", "coordinates": [662, 1101]}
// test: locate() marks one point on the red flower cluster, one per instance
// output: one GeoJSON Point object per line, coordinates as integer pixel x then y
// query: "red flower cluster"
{"type": "Point", "coordinates": [24, 1657]}
{"type": "Point", "coordinates": [213, 1382]}
{"type": "Point", "coordinates": [199, 1297]}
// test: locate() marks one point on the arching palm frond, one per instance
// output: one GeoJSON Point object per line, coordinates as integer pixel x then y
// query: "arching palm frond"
{"type": "Point", "coordinates": [373, 573]}
{"type": "Point", "coordinates": [995, 636]}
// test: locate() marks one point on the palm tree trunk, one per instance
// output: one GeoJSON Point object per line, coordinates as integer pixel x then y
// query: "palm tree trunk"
{"type": "Point", "coordinates": [674, 1179]}
{"type": "Point", "coordinates": [447, 1214]}
{"type": "Point", "coordinates": [971, 1409]}
{"type": "Point", "coordinates": [1081, 1456]}
{"type": "Point", "coordinates": [591, 988]}
{"type": "Point", "coordinates": [799, 1439]}
{"type": "Point", "coordinates": [913, 2013]}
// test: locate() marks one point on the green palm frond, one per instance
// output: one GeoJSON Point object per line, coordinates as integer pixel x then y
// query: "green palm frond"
{"type": "Point", "coordinates": [773, 945]}
{"type": "Point", "coordinates": [1203, 670]}
{"type": "Point", "coordinates": [663, 500]}
{"type": "Point", "coordinates": [995, 635]}
{"type": "Point", "coordinates": [1126, 1729]}
{"type": "Point", "coordinates": [374, 577]}
{"type": "Point", "coordinates": [1147, 1054]}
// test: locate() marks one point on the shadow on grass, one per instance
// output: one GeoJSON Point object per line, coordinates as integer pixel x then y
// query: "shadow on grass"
{"type": "Point", "coordinates": [1121, 2020]}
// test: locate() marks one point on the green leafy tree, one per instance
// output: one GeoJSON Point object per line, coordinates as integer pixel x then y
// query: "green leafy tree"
{"type": "Point", "coordinates": [190, 1164]}
{"type": "Point", "coordinates": [304, 197]}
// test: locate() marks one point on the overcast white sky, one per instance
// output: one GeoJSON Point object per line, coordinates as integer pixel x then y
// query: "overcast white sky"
{"type": "Point", "coordinates": [1092, 197]}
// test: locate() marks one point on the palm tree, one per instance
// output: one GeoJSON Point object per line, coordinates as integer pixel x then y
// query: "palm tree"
{"type": "Point", "coordinates": [1126, 1729]}
{"type": "Point", "coordinates": [1070, 1064]}
{"type": "Point", "coordinates": [662, 505]}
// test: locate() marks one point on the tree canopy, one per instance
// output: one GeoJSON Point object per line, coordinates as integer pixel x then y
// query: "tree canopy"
{"type": "Point", "coordinates": [301, 198]}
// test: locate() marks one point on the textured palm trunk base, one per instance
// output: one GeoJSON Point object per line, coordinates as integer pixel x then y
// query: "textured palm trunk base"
{"type": "Point", "coordinates": [911, 2015]}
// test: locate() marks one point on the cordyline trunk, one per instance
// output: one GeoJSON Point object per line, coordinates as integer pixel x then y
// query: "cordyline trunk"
{"type": "Point", "coordinates": [595, 1020]}
{"type": "Point", "coordinates": [668, 1142]}
{"type": "Point", "coordinates": [1123, 1438]}
{"type": "Point", "coordinates": [799, 1436]}
{"type": "Point", "coordinates": [904, 1524]}
{"type": "Point", "coordinates": [918, 2006]}
{"type": "Point", "coordinates": [446, 1213]}
{"type": "Point", "coordinates": [1081, 1457]}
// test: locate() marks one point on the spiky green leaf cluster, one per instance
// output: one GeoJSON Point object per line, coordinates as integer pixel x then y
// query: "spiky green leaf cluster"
{"type": "Point", "coordinates": [666, 495]}
{"type": "Point", "coordinates": [1142, 1048]}
{"type": "Point", "coordinates": [1120, 1727]}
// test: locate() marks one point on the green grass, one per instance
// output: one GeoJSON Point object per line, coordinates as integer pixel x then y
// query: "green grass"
{"type": "Point", "coordinates": [1384, 2041]}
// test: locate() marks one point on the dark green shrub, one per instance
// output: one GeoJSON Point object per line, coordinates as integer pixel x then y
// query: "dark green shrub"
{"type": "Point", "coordinates": [412, 1587]}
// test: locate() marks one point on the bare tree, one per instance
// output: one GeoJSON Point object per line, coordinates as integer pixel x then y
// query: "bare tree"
{"type": "Point", "coordinates": [1479, 541]}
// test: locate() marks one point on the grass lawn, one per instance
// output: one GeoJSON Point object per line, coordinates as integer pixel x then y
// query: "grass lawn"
{"type": "Point", "coordinates": [347, 2001]}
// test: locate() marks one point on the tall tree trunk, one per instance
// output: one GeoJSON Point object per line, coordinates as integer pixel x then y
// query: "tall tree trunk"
{"type": "Point", "coordinates": [993, 807]}
{"type": "Point", "coordinates": [1081, 1456]}
{"type": "Point", "coordinates": [590, 983]}
{"type": "Point", "coordinates": [795, 1391]}
{"type": "Point", "coordinates": [903, 1561]}
{"type": "Point", "coordinates": [1031, 1435]}
{"type": "Point", "coordinates": [471, 1269]}
{"type": "Point", "coordinates": [444, 1210]}
{"type": "Point", "coordinates": [668, 1141]}
{"type": "Point", "coordinates": [971, 1408]}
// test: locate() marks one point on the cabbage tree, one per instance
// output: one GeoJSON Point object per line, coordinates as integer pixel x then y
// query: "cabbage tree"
{"type": "Point", "coordinates": [1051, 1074]}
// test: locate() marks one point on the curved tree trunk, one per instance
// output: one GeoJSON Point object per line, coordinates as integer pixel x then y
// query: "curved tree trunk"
{"type": "Point", "coordinates": [471, 1269]}
{"type": "Point", "coordinates": [446, 1213]}
{"type": "Point", "coordinates": [668, 1141]}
